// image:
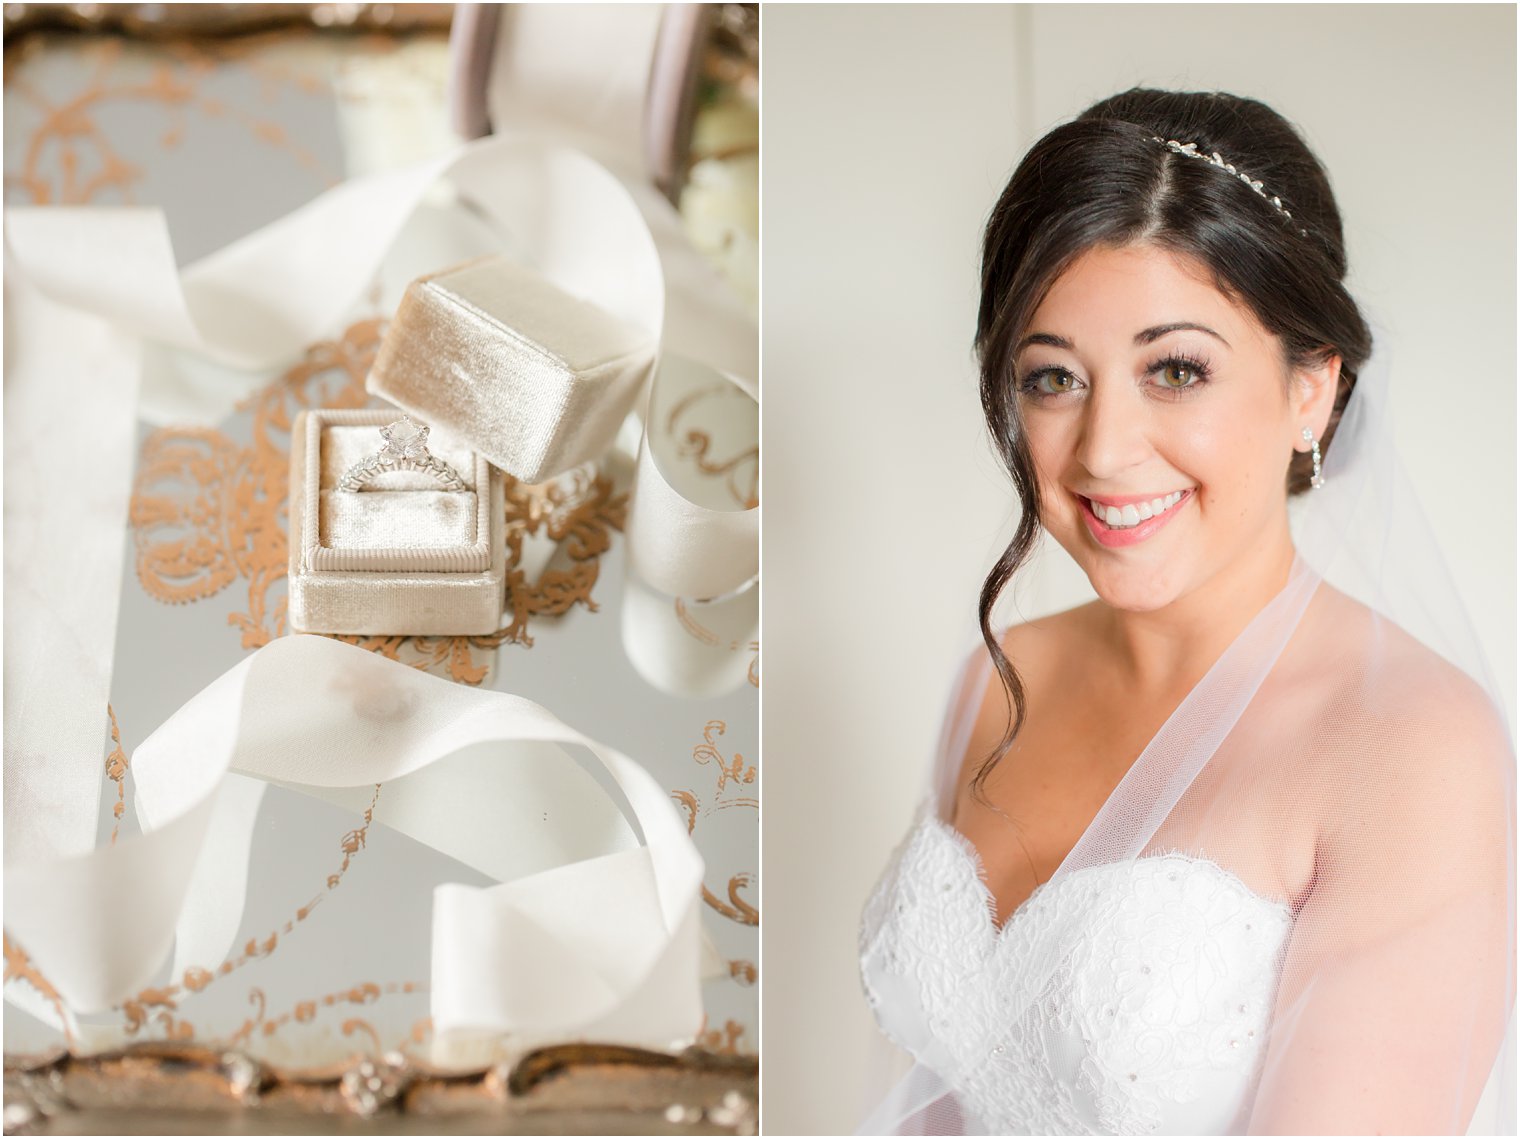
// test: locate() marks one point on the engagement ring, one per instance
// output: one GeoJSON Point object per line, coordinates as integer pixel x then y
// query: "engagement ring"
{"type": "Point", "coordinates": [405, 450]}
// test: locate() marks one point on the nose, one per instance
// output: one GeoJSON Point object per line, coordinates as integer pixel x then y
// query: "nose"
{"type": "Point", "coordinates": [1113, 433]}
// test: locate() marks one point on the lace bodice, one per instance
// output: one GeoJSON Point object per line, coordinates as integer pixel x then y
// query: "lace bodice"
{"type": "Point", "coordinates": [1130, 998]}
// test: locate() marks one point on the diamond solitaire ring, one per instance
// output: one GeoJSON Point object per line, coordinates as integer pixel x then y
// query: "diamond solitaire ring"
{"type": "Point", "coordinates": [405, 450]}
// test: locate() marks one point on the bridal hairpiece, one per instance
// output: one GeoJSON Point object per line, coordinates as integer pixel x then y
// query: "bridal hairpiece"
{"type": "Point", "coordinates": [1191, 150]}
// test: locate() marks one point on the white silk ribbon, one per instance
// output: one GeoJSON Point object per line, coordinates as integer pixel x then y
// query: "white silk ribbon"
{"type": "Point", "coordinates": [604, 943]}
{"type": "Point", "coordinates": [687, 536]}
{"type": "Point", "coordinates": [690, 649]}
{"type": "Point", "coordinates": [691, 613]}
{"type": "Point", "coordinates": [65, 521]}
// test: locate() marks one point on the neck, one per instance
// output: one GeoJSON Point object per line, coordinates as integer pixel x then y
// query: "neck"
{"type": "Point", "coordinates": [1173, 647]}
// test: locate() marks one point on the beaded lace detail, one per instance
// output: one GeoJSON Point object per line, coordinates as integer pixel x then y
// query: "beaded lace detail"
{"type": "Point", "coordinates": [1153, 1018]}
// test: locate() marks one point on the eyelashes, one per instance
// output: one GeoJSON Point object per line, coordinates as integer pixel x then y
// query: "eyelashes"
{"type": "Point", "coordinates": [1199, 369]}
{"type": "Point", "coordinates": [1046, 384]}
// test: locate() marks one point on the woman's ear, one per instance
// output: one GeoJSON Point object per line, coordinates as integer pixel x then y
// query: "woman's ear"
{"type": "Point", "coordinates": [1314, 395]}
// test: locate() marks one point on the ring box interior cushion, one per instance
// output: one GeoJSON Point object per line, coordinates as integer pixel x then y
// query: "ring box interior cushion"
{"type": "Point", "coordinates": [402, 556]}
{"type": "Point", "coordinates": [397, 511]}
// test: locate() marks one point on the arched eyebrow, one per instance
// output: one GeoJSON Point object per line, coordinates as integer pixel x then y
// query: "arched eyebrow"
{"type": "Point", "coordinates": [1147, 336]}
{"type": "Point", "coordinates": [1151, 334]}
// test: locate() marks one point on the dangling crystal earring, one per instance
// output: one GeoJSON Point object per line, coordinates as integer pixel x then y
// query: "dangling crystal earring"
{"type": "Point", "coordinates": [1314, 480]}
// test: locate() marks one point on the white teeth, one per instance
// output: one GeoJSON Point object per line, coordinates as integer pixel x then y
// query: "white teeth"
{"type": "Point", "coordinates": [1121, 518]}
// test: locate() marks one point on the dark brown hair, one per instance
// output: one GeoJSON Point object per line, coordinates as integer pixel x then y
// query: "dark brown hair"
{"type": "Point", "coordinates": [1103, 180]}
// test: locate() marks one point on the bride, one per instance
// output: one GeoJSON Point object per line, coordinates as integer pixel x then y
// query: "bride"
{"type": "Point", "coordinates": [1294, 911]}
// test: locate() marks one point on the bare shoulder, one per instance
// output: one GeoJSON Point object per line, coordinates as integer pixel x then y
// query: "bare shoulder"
{"type": "Point", "coordinates": [1403, 683]}
{"type": "Point", "coordinates": [1037, 649]}
{"type": "Point", "coordinates": [1416, 735]}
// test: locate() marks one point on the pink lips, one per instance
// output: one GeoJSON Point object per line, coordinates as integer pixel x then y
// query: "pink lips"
{"type": "Point", "coordinates": [1131, 535]}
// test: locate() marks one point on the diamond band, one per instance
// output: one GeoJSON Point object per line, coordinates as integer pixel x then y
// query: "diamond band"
{"type": "Point", "coordinates": [405, 450]}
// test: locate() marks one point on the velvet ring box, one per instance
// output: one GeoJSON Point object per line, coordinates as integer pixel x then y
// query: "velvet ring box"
{"type": "Point", "coordinates": [537, 379]}
{"type": "Point", "coordinates": [511, 374]}
{"type": "Point", "coordinates": [403, 556]}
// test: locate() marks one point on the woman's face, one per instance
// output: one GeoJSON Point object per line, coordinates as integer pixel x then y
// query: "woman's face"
{"type": "Point", "coordinates": [1161, 450]}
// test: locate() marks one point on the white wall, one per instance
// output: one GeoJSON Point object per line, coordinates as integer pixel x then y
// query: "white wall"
{"type": "Point", "coordinates": [888, 132]}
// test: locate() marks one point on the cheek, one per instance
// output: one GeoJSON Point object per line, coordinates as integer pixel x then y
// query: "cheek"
{"type": "Point", "coordinates": [1050, 453]}
{"type": "Point", "coordinates": [1236, 460]}
{"type": "Point", "coordinates": [1052, 435]}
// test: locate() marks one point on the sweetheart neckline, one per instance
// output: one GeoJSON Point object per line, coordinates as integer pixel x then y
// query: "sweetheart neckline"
{"type": "Point", "coordinates": [979, 874]}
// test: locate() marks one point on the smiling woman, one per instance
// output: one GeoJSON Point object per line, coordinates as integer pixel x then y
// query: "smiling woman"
{"type": "Point", "coordinates": [1191, 420]}
{"type": "Point", "coordinates": [1245, 860]}
{"type": "Point", "coordinates": [1244, 833]}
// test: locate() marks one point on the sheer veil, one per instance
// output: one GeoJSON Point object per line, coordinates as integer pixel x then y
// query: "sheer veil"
{"type": "Point", "coordinates": [1355, 708]}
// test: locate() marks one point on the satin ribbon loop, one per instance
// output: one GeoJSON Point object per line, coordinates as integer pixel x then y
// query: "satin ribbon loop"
{"type": "Point", "coordinates": [553, 953]}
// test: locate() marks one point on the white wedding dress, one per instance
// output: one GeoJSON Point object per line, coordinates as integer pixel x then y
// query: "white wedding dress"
{"type": "Point", "coordinates": [1153, 1023]}
{"type": "Point", "coordinates": [1348, 743]}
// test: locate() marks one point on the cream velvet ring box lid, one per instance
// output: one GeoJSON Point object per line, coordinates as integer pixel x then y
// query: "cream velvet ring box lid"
{"type": "Point", "coordinates": [536, 379]}
{"type": "Point", "coordinates": [403, 556]}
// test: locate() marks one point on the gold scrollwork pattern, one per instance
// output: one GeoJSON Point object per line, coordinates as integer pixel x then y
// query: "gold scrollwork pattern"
{"type": "Point", "coordinates": [702, 633]}
{"type": "Point", "coordinates": [116, 772]}
{"type": "Point", "coordinates": [138, 1010]}
{"type": "Point", "coordinates": [742, 469]}
{"type": "Point", "coordinates": [70, 158]}
{"type": "Point", "coordinates": [735, 788]}
{"type": "Point", "coordinates": [206, 511]}
{"type": "Point", "coordinates": [181, 520]}
{"type": "Point", "coordinates": [307, 1011]}
{"type": "Point", "coordinates": [726, 1041]}
{"type": "Point", "coordinates": [579, 511]}
{"type": "Point", "coordinates": [18, 966]}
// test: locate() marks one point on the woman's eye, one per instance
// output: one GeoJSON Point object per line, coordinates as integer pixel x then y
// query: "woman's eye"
{"type": "Point", "coordinates": [1050, 382]}
{"type": "Point", "coordinates": [1178, 374]}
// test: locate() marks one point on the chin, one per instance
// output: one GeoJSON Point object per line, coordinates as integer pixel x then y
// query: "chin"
{"type": "Point", "coordinates": [1135, 591]}
{"type": "Point", "coordinates": [1133, 584]}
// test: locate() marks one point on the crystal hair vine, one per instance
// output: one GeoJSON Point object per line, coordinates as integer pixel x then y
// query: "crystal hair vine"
{"type": "Point", "coordinates": [1191, 150]}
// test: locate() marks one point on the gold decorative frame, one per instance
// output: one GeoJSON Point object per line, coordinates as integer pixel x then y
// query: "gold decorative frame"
{"type": "Point", "coordinates": [572, 1089]}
